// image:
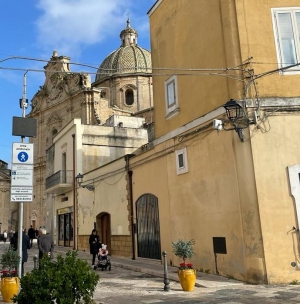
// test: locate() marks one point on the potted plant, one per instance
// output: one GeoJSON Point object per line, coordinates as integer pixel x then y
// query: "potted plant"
{"type": "Point", "coordinates": [186, 272]}
{"type": "Point", "coordinates": [9, 261]}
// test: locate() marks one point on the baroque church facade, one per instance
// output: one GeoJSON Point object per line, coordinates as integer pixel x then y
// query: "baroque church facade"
{"type": "Point", "coordinates": [122, 87]}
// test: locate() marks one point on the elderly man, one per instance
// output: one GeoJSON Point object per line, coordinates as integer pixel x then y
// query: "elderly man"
{"type": "Point", "coordinates": [45, 244]}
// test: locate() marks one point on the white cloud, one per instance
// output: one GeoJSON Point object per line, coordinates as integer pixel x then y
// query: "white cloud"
{"type": "Point", "coordinates": [68, 25]}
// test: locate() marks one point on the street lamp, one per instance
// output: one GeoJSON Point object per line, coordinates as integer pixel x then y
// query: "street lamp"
{"type": "Point", "coordinates": [79, 179]}
{"type": "Point", "coordinates": [234, 110]}
{"type": "Point", "coordinates": [235, 113]}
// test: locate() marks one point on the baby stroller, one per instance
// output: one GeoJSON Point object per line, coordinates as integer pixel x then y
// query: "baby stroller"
{"type": "Point", "coordinates": [103, 259]}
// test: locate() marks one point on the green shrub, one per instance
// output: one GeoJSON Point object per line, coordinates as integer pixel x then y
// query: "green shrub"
{"type": "Point", "coordinates": [9, 261]}
{"type": "Point", "coordinates": [67, 280]}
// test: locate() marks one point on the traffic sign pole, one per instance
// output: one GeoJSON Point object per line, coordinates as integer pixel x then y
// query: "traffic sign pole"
{"type": "Point", "coordinates": [20, 232]}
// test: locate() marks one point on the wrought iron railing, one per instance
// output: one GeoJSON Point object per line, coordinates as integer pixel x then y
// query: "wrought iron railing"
{"type": "Point", "coordinates": [60, 177]}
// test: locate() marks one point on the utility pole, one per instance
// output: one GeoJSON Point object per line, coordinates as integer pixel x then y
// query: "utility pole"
{"type": "Point", "coordinates": [23, 106]}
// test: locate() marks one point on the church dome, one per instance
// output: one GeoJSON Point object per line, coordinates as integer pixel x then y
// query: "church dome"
{"type": "Point", "coordinates": [127, 59]}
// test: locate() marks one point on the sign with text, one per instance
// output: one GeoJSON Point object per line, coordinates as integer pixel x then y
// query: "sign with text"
{"type": "Point", "coordinates": [22, 153]}
{"type": "Point", "coordinates": [21, 175]}
{"type": "Point", "coordinates": [21, 197]}
{"type": "Point", "coordinates": [21, 190]}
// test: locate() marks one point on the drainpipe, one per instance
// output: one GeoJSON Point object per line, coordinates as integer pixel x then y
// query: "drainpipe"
{"type": "Point", "coordinates": [129, 173]}
{"type": "Point", "coordinates": [74, 198]}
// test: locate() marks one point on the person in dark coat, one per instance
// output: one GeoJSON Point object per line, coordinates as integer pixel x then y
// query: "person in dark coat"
{"type": "Point", "coordinates": [25, 246]}
{"type": "Point", "coordinates": [94, 242]}
{"type": "Point", "coordinates": [45, 244]}
{"type": "Point", "coordinates": [31, 234]}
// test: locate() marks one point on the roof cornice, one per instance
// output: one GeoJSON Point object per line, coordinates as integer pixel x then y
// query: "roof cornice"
{"type": "Point", "coordinates": [154, 7]}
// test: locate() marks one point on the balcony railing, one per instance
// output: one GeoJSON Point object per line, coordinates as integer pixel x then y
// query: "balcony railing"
{"type": "Point", "coordinates": [58, 178]}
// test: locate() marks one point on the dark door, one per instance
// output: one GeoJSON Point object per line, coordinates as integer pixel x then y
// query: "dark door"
{"type": "Point", "coordinates": [148, 232]}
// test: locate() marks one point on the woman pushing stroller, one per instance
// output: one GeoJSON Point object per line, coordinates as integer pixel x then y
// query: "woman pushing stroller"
{"type": "Point", "coordinates": [95, 244]}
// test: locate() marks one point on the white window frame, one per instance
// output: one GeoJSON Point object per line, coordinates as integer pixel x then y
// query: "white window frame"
{"type": "Point", "coordinates": [278, 42]}
{"type": "Point", "coordinates": [171, 102]}
{"type": "Point", "coordinates": [185, 168]}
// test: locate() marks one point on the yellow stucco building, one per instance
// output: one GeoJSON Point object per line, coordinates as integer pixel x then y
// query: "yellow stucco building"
{"type": "Point", "coordinates": [229, 182]}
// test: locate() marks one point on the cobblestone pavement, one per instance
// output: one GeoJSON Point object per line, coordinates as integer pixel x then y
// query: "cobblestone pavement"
{"type": "Point", "coordinates": [122, 285]}
{"type": "Point", "coordinates": [125, 286]}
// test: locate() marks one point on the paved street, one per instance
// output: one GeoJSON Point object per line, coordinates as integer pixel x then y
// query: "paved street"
{"type": "Point", "coordinates": [124, 284]}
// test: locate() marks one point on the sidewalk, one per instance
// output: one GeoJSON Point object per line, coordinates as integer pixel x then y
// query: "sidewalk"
{"type": "Point", "coordinates": [151, 267]}
{"type": "Point", "coordinates": [155, 268]}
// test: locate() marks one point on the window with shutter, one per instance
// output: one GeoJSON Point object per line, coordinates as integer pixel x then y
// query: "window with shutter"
{"type": "Point", "coordinates": [287, 37]}
{"type": "Point", "coordinates": [171, 97]}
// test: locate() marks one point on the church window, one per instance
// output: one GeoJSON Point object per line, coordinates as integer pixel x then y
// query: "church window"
{"type": "Point", "coordinates": [129, 97]}
{"type": "Point", "coordinates": [54, 132]}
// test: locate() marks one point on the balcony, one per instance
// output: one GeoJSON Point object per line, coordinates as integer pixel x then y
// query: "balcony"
{"type": "Point", "coordinates": [60, 182]}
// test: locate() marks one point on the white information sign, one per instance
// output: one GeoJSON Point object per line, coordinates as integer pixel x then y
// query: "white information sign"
{"type": "Point", "coordinates": [21, 190]}
{"type": "Point", "coordinates": [22, 153]}
{"type": "Point", "coordinates": [21, 197]}
{"type": "Point", "coordinates": [21, 175]}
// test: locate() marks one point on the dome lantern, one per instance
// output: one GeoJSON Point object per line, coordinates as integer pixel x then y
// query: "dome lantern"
{"type": "Point", "coordinates": [128, 35]}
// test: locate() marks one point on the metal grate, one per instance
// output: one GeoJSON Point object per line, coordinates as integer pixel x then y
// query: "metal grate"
{"type": "Point", "coordinates": [148, 230]}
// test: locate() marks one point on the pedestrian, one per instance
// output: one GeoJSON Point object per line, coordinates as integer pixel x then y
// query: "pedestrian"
{"type": "Point", "coordinates": [5, 236]}
{"type": "Point", "coordinates": [31, 234]}
{"type": "Point", "coordinates": [94, 242]}
{"type": "Point", "coordinates": [45, 244]}
{"type": "Point", "coordinates": [11, 233]}
{"type": "Point", "coordinates": [14, 241]}
{"type": "Point", "coordinates": [25, 245]}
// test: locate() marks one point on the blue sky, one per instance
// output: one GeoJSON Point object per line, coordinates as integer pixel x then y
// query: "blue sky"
{"type": "Point", "coordinates": [86, 31]}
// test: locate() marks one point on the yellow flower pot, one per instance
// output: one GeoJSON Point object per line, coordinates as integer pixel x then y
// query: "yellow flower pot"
{"type": "Point", "coordinates": [187, 279]}
{"type": "Point", "coordinates": [9, 288]}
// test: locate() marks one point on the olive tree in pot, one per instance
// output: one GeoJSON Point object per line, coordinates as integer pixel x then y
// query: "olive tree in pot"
{"type": "Point", "coordinates": [186, 272]}
{"type": "Point", "coordinates": [9, 262]}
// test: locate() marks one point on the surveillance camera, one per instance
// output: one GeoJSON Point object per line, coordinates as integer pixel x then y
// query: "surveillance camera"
{"type": "Point", "coordinates": [218, 124]}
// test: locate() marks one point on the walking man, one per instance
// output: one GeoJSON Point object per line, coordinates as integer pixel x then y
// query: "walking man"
{"type": "Point", "coordinates": [31, 234]}
{"type": "Point", "coordinates": [45, 244]}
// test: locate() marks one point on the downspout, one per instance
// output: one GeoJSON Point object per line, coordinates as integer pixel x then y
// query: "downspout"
{"type": "Point", "coordinates": [132, 224]}
{"type": "Point", "coordinates": [74, 198]}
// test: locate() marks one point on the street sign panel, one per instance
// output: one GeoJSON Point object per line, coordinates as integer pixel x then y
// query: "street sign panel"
{"type": "Point", "coordinates": [22, 153]}
{"type": "Point", "coordinates": [21, 190]}
{"type": "Point", "coordinates": [21, 197]}
{"type": "Point", "coordinates": [21, 175]}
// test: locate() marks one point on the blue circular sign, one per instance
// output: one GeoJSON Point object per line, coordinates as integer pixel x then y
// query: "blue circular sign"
{"type": "Point", "coordinates": [23, 157]}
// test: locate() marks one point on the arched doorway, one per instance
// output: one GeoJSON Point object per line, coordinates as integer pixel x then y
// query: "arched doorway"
{"type": "Point", "coordinates": [103, 228]}
{"type": "Point", "coordinates": [148, 228]}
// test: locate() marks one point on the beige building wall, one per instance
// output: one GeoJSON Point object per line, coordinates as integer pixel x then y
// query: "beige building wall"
{"type": "Point", "coordinates": [175, 44]}
{"type": "Point", "coordinates": [95, 149]}
{"type": "Point", "coordinates": [9, 210]}
{"type": "Point", "coordinates": [239, 190]}
{"type": "Point", "coordinates": [110, 196]}
{"type": "Point", "coordinates": [273, 152]}
{"type": "Point", "coordinates": [257, 40]}
{"type": "Point", "coordinates": [213, 199]}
